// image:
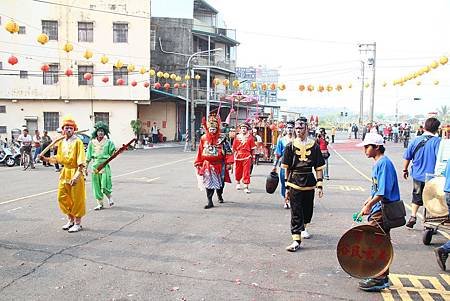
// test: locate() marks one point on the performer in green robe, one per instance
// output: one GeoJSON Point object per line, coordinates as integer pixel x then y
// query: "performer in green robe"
{"type": "Point", "coordinates": [100, 148]}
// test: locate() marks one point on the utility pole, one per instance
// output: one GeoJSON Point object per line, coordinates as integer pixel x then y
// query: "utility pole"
{"type": "Point", "coordinates": [371, 47]}
{"type": "Point", "coordinates": [361, 98]}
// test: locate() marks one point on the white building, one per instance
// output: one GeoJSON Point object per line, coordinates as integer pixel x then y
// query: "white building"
{"type": "Point", "coordinates": [116, 29]}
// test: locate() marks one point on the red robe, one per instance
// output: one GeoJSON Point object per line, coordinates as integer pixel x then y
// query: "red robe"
{"type": "Point", "coordinates": [243, 147]}
{"type": "Point", "coordinates": [213, 156]}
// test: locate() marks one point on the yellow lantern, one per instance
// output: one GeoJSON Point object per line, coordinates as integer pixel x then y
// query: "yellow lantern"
{"type": "Point", "coordinates": [329, 88]}
{"type": "Point", "coordinates": [443, 60]}
{"type": "Point", "coordinates": [320, 88]}
{"type": "Point", "coordinates": [216, 82]}
{"type": "Point", "coordinates": [282, 87]}
{"type": "Point", "coordinates": [88, 54]}
{"type": "Point", "coordinates": [131, 68]}
{"type": "Point", "coordinates": [187, 77]}
{"type": "Point", "coordinates": [338, 87]}
{"type": "Point", "coordinates": [226, 82]}
{"type": "Point", "coordinates": [426, 69]}
{"type": "Point", "coordinates": [12, 26]}
{"type": "Point", "coordinates": [418, 83]}
{"type": "Point", "coordinates": [143, 70]}
{"type": "Point", "coordinates": [273, 86]}
{"type": "Point", "coordinates": [197, 77]}
{"type": "Point", "coordinates": [436, 82]}
{"type": "Point", "coordinates": [420, 72]}
{"type": "Point", "coordinates": [384, 84]}
{"type": "Point", "coordinates": [118, 64]}
{"type": "Point", "coordinates": [310, 88]}
{"type": "Point", "coordinates": [254, 85]}
{"type": "Point", "coordinates": [264, 86]}
{"type": "Point", "coordinates": [236, 83]}
{"type": "Point", "coordinates": [42, 38]}
{"type": "Point", "coordinates": [301, 88]}
{"type": "Point", "coordinates": [104, 59]}
{"type": "Point", "coordinates": [159, 74]}
{"type": "Point", "coordinates": [350, 86]}
{"type": "Point", "coordinates": [367, 85]}
{"type": "Point", "coordinates": [68, 47]}
{"type": "Point", "coordinates": [166, 75]}
{"type": "Point", "coordinates": [178, 78]}
{"type": "Point", "coordinates": [434, 64]}
{"type": "Point", "coordinates": [152, 72]}
{"type": "Point", "coordinates": [173, 76]}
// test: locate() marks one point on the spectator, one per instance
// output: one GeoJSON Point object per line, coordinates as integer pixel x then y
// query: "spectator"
{"type": "Point", "coordinates": [46, 140]}
{"type": "Point", "coordinates": [420, 131]}
{"type": "Point", "coordinates": [323, 144]}
{"type": "Point", "coordinates": [155, 133]}
{"type": "Point", "coordinates": [333, 133]}
{"type": "Point", "coordinates": [37, 144]}
{"type": "Point", "coordinates": [25, 145]}
{"type": "Point", "coordinates": [395, 131]}
{"type": "Point", "coordinates": [355, 130]}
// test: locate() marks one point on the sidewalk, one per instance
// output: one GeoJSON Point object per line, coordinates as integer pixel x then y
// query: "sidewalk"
{"type": "Point", "coordinates": [163, 145]}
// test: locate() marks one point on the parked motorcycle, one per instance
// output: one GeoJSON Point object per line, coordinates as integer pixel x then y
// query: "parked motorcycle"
{"type": "Point", "coordinates": [7, 157]}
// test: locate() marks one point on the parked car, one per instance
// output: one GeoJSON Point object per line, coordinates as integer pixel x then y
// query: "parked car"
{"type": "Point", "coordinates": [85, 138]}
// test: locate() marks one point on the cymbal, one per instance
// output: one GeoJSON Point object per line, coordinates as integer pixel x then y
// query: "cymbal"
{"type": "Point", "coordinates": [434, 197]}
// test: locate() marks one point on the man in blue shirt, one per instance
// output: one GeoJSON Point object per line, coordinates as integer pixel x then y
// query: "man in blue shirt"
{"type": "Point", "coordinates": [384, 189]}
{"type": "Point", "coordinates": [422, 151]}
{"type": "Point", "coordinates": [443, 251]}
{"type": "Point", "coordinates": [279, 150]}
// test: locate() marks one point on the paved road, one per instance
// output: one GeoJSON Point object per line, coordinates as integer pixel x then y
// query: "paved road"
{"type": "Point", "coordinates": [158, 243]}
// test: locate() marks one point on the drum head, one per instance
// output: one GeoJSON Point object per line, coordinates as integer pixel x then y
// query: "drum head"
{"type": "Point", "coordinates": [365, 252]}
{"type": "Point", "coordinates": [434, 197]}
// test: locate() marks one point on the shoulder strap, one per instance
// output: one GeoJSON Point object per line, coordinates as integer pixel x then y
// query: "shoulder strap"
{"type": "Point", "coordinates": [421, 144]}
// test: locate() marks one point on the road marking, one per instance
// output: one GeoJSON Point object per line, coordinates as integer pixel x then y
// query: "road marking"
{"type": "Point", "coordinates": [345, 187]}
{"type": "Point", "coordinates": [11, 210]}
{"type": "Point", "coordinates": [417, 287]}
{"type": "Point", "coordinates": [118, 176]}
{"type": "Point", "coordinates": [369, 179]}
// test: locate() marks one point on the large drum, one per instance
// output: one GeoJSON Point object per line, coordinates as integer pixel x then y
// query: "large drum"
{"type": "Point", "coordinates": [434, 197]}
{"type": "Point", "coordinates": [365, 252]}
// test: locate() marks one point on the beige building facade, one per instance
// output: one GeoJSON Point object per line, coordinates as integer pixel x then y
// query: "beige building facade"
{"type": "Point", "coordinates": [113, 29]}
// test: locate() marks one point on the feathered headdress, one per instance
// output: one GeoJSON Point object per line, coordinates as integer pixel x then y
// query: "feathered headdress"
{"type": "Point", "coordinates": [100, 125]}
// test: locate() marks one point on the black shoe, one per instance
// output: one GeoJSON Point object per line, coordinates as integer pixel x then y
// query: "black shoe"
{"type": "Point", "coordinates": [412, 221]}
{"type": "Point", "coordinates": [210, 205]}
{"type": "Point", "coordinates": [221, 200]}
{"type": "Point", "coordinates": [373, 284]}
{"type": "Point", "coordinates": [441, 257]}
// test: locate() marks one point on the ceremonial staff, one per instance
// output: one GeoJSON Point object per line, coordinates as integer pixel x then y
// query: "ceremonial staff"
{"type": "Point", "coordinates": [116, 153]}
{"type": "Point", "coordinates": [56, 141]}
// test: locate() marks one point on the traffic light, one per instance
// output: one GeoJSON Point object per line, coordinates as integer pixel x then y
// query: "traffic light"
{"type": "Point", "coordinates": [342, 114]}
{"type": "Point", "coordinates": [346, 114]}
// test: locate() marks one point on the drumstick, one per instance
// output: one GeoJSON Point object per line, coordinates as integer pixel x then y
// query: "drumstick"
{"type": "Point", "coordinates": [56, 141]}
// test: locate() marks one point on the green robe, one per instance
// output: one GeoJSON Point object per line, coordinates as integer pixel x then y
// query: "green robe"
{"type": "Point", "coordinates": [99, 152]}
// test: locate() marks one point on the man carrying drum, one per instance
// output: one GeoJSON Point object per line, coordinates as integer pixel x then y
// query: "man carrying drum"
{"type": "Point", "coordinates": [384, 189]}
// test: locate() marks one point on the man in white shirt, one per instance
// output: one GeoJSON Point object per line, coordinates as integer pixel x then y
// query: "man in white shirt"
{"type": "Point", "coordinates": [155, 133]}
{"type": "Point", "coordinates": [25, 145]}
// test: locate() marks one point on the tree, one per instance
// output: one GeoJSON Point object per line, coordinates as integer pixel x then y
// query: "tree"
{"type": "Point", "coordinates": [136, 125]}
{"type": "Point", "coordinates": [443, 113]}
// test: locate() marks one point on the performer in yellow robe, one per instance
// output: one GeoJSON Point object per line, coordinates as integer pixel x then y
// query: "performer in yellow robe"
{"type": "Point", "coordinates": [71, 189]}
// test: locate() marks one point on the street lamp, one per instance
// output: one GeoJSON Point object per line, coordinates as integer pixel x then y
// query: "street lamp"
{"type": "Point", "coordinates": [188, 67]}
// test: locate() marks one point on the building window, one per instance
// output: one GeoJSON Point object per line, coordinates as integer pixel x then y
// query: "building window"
{"type": "Point", "coordinates": [120, 73]}
{"type": "Point", "coordinates": [153, 37]}
{"type": "Point", "coordinates": [23, 74]}
{"type": "Point", "coordinates": [3, 129]}
{"type": "Point", "coordinates": [1, 65]}
{"type": "Point", "coordinates": [85, 32]}
{"type": "Point", "coordinates": [50, 28]}
{"type": "Point", "coordinates": [51, 76]}
{"type": "Point", "coordinates": [22, 30]}
{"type": "Point", "coordinates": [2, 109]}
{"type": "Point", "coordinates": [81, 71]}
{"type": "Point", "coordinates": [51, 121]}
{"type": "Point", "coordinates": [101, 116]}
{"type": "Point", "coordinates": [120, 32]}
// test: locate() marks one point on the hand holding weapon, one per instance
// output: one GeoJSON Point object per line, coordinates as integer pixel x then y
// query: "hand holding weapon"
{"type": "Point", "coordinates": [41, 155]}
{"type": "Point", "coordinates": [116, 153]}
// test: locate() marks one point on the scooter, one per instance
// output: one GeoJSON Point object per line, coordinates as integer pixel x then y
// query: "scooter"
{"type": "Point", "coordinates": [7, 157]}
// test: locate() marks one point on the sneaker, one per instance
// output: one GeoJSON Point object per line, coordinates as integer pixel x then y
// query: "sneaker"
{"type": "Point", "coordinates": [305, 234]}
{"type": "Point", "coordinates": [68, 225]}
{"type": "Point", "coordinates": [246, 190]}
{"type": "Point", "coordinates": [293, 247]}
{"type": "Point", "coordinates": [441, 257]}
{"type": "Point", "coordinates": [238, 187]}
{"type": "Point", "coordinates": [110, 202]}
{"type": "Point", "coordinates": [373, 284]}
{"type": "Point", "coordinates": [412, 221]}
{"type": "Point", "coordinates": [75, 228]}
{"type": "Point", "coordinates": [98, 207]}
{"type": "Point", "coordinates": [286, 206]}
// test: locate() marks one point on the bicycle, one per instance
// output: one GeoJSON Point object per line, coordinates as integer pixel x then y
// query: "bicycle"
{"type": "Point", "coordinates": [25, 159]}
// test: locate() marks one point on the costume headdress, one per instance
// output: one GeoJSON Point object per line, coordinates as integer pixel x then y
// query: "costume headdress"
{"type": "Point", "coordinates": [70, 121]}
{"type": "Point", "coordinates": [213, 121]}
{"type": "Point", "coordinates": [300, 121]}
{"type": "Point", "coordinates": [245, 124]}
{"type": "Point", "coordinates": [100, 126]}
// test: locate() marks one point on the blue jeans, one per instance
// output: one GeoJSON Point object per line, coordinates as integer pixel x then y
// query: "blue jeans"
{"type": "Point", "coordinates": [283, 183]}
{"type": "Point", "coordinates": [446, 246]}
{"type": "Point", "coordinates": [325, 170]}
{"type": "Point", "coordinates": [37, 151]}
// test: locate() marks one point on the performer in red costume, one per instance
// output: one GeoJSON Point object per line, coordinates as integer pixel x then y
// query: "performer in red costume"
{"type": "Point", "coordinates": [214, 159]}
{"type": "Point", "coordinates": [243, 148]}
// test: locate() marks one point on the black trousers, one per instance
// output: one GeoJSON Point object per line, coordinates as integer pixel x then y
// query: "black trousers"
{"type": "Point", "coordinates": [210, 193]}
{"type": "Point", "coordinates": [302, 204]}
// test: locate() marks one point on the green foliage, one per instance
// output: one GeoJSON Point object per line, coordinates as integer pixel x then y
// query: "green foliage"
{"type": "Point", "coordinates": [136, 125]}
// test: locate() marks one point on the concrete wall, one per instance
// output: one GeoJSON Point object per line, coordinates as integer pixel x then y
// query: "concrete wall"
{"type": "Point", "coordinates": [120, 115]}
{"type": "Point", "coordinates": [165, 115]}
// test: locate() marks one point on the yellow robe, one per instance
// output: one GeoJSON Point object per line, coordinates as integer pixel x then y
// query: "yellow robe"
{"type": "Point", "coordinates": [72, 199]}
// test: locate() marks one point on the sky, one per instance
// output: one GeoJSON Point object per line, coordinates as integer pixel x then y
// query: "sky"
{"type": "Point", "coordinates": [316, 42]}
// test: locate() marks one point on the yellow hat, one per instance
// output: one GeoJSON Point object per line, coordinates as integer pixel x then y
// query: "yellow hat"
{"type": "Point", "coordinates": [69, 120]}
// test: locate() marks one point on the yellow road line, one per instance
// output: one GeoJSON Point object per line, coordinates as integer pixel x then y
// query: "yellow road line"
{"type": "Point", "coordinates": [118, 176]}
{"type": "Point", "coordinates": [446, 278]}
{"type": "Point", "coordinates": [369, 179]}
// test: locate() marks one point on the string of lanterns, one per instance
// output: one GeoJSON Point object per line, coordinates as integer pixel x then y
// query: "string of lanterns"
{"type": "Point", "coordinates": [424, 70]}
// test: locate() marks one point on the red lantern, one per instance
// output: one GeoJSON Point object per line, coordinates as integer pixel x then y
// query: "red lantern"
{"type": "Point", "coordinates": [183, 85]}
{"type": "Point", "coordinates": [176, 86]}
{"type": "Point", "coordinates": [45, 68]}
{"type": "Point", "coordinates": [134, 83]}
{"type": "Point", "coordinates": [281, 125]}
{"type": "Point", "coordinates": [120, 81]}
{"type": "Point", "coordinates": [146, 84]}
{"type": "Point", "coordinates": [167, 86]}
{"type": "Point", "coordinates": [68, 72]}
{"type": "Point", "coordinates": [13, 60]}
{"type": "Point", "coordinates": [105, 79]}
{"type": "Point", "coordinates": [272, 127]}
{"type": "Point", "coordinates": [157, 86]}
{"type": "Point", "coordinates": [87, 76]}
{"type": "Point", "coordinates": [301, 87]}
